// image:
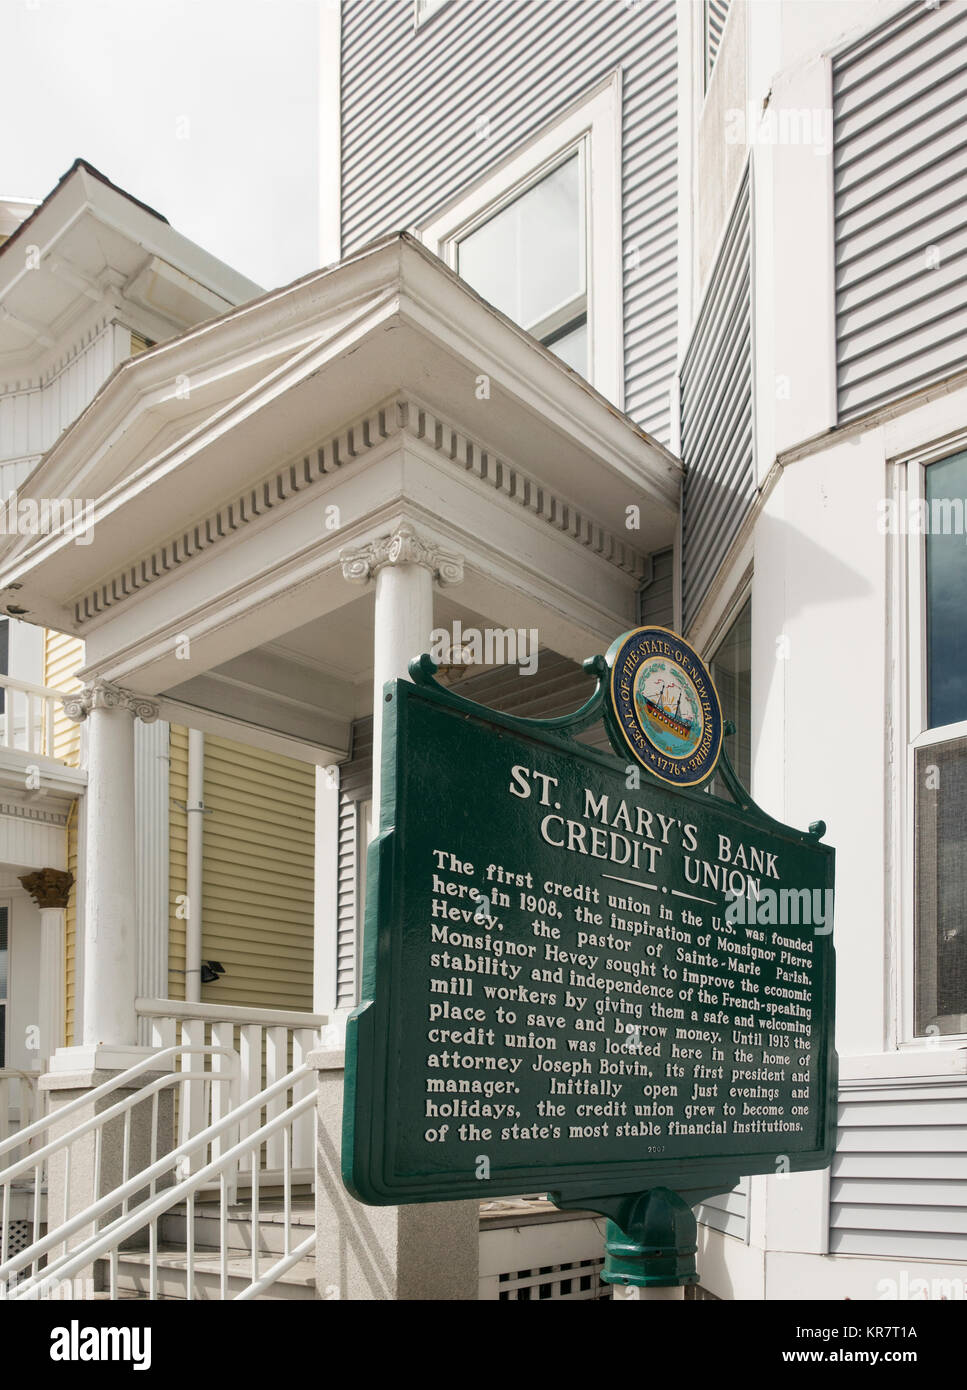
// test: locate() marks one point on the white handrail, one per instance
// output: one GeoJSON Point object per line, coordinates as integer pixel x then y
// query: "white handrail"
{"type": "Point", "coordinates": [29, 688]}
{"type": "Point", "coordinates": [116, 1083]}
{"type": "Point", "coordinates": [129, 1223]}
{"type": "Point", "coordinates": [228, 1013]}
{"type": "Point", "coordinates": [27, 1082]}
{"type": "Point", "coordinates": [35, 1161]}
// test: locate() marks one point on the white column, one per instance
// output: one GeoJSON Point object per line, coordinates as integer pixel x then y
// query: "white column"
{"type": "Point", "coordinates": [50, 889]}
{"type": "Point", "coordinates": [404, 565]}
{"type": "Point", "coordinates": [110, 927]}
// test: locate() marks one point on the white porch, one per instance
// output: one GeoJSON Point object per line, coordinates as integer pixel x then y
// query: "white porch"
{"type": "Point", "coordinates": [289, 501]}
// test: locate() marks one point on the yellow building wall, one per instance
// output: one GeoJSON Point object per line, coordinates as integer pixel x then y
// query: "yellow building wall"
{"type": "Point", "coordinates": [258, 874]}
{"type": "Point", "coordinates": [63, 658]}
{"type": "Point", "coordinates": [177, 857]}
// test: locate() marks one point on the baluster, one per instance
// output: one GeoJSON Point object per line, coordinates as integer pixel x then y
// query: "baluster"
{"type": "Point", "coordinates": [8, 717]}
{"type": "Point", "coordinates": [193, 1119]}
{"type": "Point", "coordinates": [250, 1082]}
{"type": "Point", "coordinates": [225, 1091]}
{"type": "Point", "coordinates": [49, 734]}
{"type": "Point", "coordinates": [276, 1066]}
{"type": "Point", "coordinates": [303, 1127]}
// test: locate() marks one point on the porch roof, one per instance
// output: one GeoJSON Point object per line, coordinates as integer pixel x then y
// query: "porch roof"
{"type": "Point", "coordinates": [192, 452]}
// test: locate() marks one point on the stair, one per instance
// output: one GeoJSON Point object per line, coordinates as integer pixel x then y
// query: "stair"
{"type": "Point", "coordinates": [134, 1275]}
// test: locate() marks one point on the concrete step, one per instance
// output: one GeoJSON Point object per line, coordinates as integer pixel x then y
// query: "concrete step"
{"type": "Point", "coordinates": [173, 1227]}
{"type": "Point", "coordinates": [134, 1275]}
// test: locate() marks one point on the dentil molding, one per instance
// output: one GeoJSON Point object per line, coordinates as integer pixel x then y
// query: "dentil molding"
{"type": "Point", "coordinates": [400, 416]}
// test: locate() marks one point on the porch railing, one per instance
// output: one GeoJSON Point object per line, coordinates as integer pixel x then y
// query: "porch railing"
{"type": "Point", "coordinates": [29, 712]}
{"type": "Point", "coordinates": [133, 1210]}
{"type": "Point", "coordinates": [269, 1044]}
{"type": "Point", "coordinates": [19, 1100]}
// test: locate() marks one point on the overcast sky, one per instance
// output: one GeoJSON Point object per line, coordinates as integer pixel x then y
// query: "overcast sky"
{"type": "Point", "coordinates": [204, 109]}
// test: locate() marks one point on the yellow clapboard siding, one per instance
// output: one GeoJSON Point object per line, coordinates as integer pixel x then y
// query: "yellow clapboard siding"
{"type": "Point", "coordinates": [70, 932]}
{"type": "Point", "coordinates": [63, 657]}
{"type": "Point", "coordinates": [177, 857]}
{"type": "Point", "coordinates": [257, 912]}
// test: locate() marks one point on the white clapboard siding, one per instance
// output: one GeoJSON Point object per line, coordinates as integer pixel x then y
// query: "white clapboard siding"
{"type": "Point", "coordinates": [900, 150]}
{"type": "Point", "coordinates": [32, 418]}
{"type": "Point", "coordinates": [716, 410]}
{"type": "Point", "coordinates": [728, 1213]}
{"type": "Point", "coordinates": [415, 101]}
{"type": "Point", "coordinates": [899, 1177]}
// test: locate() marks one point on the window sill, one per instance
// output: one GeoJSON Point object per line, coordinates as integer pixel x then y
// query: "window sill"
{"type": "Point", "coordinates": [911, 1066]}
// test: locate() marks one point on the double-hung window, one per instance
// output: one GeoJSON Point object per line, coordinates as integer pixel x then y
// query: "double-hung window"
{"type": "Point", "coordinates": [539, 238]}
{"type": "Point", "coordinates": [937, 546]}
{"type": "Point", "coordinates": [529, 259]}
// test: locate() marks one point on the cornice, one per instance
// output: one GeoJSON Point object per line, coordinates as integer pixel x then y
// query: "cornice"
{"type": "Point", "coordinates": [20, 811]}
{"type": "Point", "coordinates": [401, 416]}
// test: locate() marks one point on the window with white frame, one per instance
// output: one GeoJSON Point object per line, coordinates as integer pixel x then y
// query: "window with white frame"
{"type": "Point", "coordinates": [529, 259]}
{"type": "Point", "coordinates": [938, 709]}
{"type": "Point", "coordinates": [539, 238]}
{"type": "Point", "coordinates": [731, 669]}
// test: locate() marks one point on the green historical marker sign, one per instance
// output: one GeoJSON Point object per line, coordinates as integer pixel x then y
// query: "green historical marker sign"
{"type": "Point", "coordinates": [580, 978]}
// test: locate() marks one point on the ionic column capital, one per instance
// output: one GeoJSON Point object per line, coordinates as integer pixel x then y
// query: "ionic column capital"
{"type": "Point", "coordinates": [102, 695]}
{"type": "Point", "coordinates": [49, 887]}
{"type": "Point", "coordinates": [404, 546]}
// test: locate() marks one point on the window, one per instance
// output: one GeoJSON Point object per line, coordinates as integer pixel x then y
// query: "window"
{"type": "Point", "coordinates": [530, 261]}
{"type": "Point", "coordinates": [731, 669]}
{"type": "Point", "coordinates": [940, 749]}
{"type": "Point", "coordinates": [946, 582]}
{"type": "Point", "coordinates": [539, 238]}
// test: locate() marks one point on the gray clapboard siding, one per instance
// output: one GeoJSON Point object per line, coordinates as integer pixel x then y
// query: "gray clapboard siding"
{"type": "Point", "coordinates": [426, 112]}
{"type": "Point", "coordinates": [716, 411]}
{"type": "Point", "coordinates": [900, 159]}
{"type": "Point", "coordinates": [899, 1179]}
{"type": "Point", "coordinates": [656, 602]}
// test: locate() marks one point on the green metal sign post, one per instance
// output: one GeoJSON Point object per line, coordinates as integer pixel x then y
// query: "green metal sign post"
{"type": "Point", "coordinates": [582, 979]}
